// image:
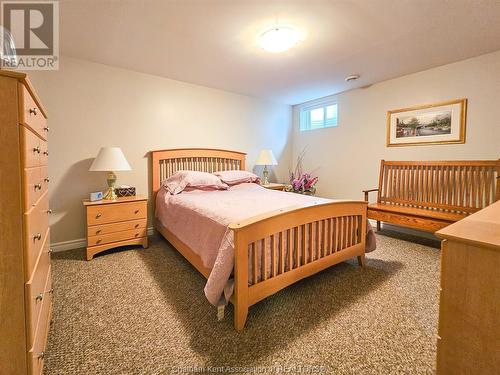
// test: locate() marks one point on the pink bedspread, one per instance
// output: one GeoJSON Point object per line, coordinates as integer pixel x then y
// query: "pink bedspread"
{"type": "Point", "coordinates": [200, 219]}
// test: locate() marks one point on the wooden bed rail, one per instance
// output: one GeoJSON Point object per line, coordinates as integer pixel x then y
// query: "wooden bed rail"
{"type": "Point", "coordinates": [275, 250]}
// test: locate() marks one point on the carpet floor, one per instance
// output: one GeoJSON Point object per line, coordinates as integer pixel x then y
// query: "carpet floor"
{"type": "Point", "coordinates": [143, 311]}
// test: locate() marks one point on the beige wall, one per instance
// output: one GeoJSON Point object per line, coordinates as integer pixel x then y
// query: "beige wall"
{"type": "Point", "coordinates": [92, 105]}
{"type": "Point", "coordinates": [346, 158]}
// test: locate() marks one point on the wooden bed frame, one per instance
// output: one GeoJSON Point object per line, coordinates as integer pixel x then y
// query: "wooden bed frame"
{"type": "Point", "coordinates": [331, 232]}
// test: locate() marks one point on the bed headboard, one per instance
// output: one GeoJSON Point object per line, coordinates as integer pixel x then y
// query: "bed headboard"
{"type": "Point", "coordinates": [167, 162]}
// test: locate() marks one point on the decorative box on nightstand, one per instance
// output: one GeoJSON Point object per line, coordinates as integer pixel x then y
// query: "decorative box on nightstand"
{"type": "Point", "coordinates": [274, 186]}
{"type": "Point", "coordinates": [113, 223]}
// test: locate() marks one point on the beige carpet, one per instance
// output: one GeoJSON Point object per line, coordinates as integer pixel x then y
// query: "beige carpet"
{"type": "Point", "coordinates": [141, 311]}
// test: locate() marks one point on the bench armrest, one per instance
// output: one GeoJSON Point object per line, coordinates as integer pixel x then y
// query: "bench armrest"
{"type": "Point", "coordinates": [368, 191]}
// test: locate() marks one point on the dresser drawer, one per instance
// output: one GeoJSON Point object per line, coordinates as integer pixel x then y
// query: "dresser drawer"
{"type": "Point", "coordinates": [37, 352]}
{"type": "Point", "coordinates": [98, 230]}
{"type": "Point", "coordinates": [44, 178]}
{"type": "Point", "coordinates": [31, 115]}
{"type": "Point", "coordinates": [103, 214]}
{"type": "Point", "coordinates": [32, 150]}
{"type": "Point", "coordinates": [37, 224]}
{"type": "Point", "coordinates": [115, 237]}
{"type": "Point", "coordinates": [32, 187]}
{"type": "Point", "coordinates": [44, 152]}
{"type": "Point", "coordinates": [36, 293]}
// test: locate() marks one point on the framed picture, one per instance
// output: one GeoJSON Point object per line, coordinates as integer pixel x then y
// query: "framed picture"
{"type": "Point", "coordinates": [430, 124]}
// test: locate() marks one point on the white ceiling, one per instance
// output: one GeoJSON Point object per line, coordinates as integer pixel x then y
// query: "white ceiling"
{"type": "Point", "coordinates": [213, 42]}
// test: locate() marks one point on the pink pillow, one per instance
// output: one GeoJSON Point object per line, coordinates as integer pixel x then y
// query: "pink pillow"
{"type": "Point", "coordinates": [181, 180]}
{"type": "Point", "coordinates": [235, 177]}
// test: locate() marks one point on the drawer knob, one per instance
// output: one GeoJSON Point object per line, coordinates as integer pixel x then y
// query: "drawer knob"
{"type": "Point", "coordinates": [39, 297]}
{"type": "Point", "coordinates": [98, 215]}
{"type": "Point", "coordinates": [46, 153]}
{"type": "Point", "coordinates": [37, 236]}
{"type": "Point", "coordinates": [46, 179]}
{"type": "Point", "coordinates": [36, 149]}
{"type": "Point", "coordinates": [50, 250]}
{"type": "Point", "coordinates": [137, 225]}
{"type": "Point", "coordinates": [136, 211]}
{"type": "Point", "coordinates": [38, 186]}
{"type": "Point", "coordinates": [98, 231]}
{"type": "Point", "coordinates": [46, 128]}
{"type": "Point", "coordinates": [137, 234]}
{"type": "Point", "coordinates": [33, 111]}
{"type": "Point", "coordinates": [41, 355]}
{"type": "Point", "coordinates": [98, 241]}
{"type": "Point", "coordinates": [49, 211]}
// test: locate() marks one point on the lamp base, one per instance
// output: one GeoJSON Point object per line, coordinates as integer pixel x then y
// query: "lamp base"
{"type": "Point", "coordinates": [110, 194]}
{"type": "Point", "coordinates": [265, 174]}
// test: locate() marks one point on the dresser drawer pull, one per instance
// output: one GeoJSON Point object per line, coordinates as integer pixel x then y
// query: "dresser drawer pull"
{"type": "Point", "coordinates": [50, 250]}
{"type": "Point", "coordinates": [136, 211]}
{"type": "Point", "coordinates": [98, 241]}
{"type": "Point", "coordinates": [98, 215]}
{"type": "Point", "coordinates": [41, 355]}
{"type": "Point", "coordinates": [137, 234]}
{"type": "Point", "coordinates": [46, 179]}
{"type": "Point", "coordinates": [46, 128]}
{"type": "Point", "coordinates": [33, 111]}
{"type": "Point", "coordinates": [36, 149]}
{"type": "Point", "coordinates": [38, 186]}
{"type": "Point", "coordinates": [37, 236]}
{"type": "Point", "coordinates": [49, 211]}
{"type": "Point", "coordinates": [46, 153]}
{"type": "Point", "coordinates": [136, 225]}
{"type": "Point", "coordinates": [98, 231]}
{"type": "Point", "coordinates": [39, 297]}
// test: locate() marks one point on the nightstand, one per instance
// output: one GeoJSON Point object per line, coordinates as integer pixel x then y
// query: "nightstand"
{"type": "Point", "coordinates": [275, 186]}
{"type": "Point", "coordinates": [114, 223]}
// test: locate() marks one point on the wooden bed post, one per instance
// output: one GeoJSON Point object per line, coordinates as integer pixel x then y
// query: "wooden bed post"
{"type": "Point", "coordinates": [240, 281]}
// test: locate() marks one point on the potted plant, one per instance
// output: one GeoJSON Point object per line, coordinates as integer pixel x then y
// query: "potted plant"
{"type": "Point", "coordinates": [300, 182]}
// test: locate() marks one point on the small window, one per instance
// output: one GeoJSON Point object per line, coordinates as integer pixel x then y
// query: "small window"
{"type": "Point", "coordinates": [319, 116]}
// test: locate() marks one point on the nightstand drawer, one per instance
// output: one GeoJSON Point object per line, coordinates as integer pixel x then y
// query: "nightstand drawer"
{"type": "Point", "coordinates": [98, 230]}
{"type": "Point", "coordinates": [110, 213]}
{"type": "Point", "coordinates": [115, 237]}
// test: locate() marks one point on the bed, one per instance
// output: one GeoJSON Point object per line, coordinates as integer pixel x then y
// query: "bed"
{"type": "Point", "coordinates": [269, 249]}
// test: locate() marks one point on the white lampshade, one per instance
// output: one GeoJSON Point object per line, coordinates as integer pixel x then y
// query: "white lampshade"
{"type": "Point", "coordinates": [110, 159]}
{"type": "Point", "coordinates": [266, 157]}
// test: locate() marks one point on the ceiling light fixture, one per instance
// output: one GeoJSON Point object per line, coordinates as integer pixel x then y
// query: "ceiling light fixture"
{"type": "Point", "coordinates": [279, 39]}
{"type": "Point", "coordinates": [352, 77]}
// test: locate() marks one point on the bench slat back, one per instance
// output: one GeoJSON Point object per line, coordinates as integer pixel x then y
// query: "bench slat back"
{"type": "Point", "coordinates": [455, 186]}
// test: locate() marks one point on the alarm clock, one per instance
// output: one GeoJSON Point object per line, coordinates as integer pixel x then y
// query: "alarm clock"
{"type": "Point", "coordinates": [97, 196]}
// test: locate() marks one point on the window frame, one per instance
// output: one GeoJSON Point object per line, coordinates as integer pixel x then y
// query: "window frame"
{"type": "Point", "coordinates": [307, 108]}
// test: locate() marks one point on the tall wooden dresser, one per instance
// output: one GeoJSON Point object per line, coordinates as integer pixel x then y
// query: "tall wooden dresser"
{"type": "Point", "coordinates": [25, 275]}
{"type": "Point", "coordinates": [469, 308]}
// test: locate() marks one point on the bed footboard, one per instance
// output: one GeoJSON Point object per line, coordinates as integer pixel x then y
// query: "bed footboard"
{"type": "Point", "coordinates": [282, 247]}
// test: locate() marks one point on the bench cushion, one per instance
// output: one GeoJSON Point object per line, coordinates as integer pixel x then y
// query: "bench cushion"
{"type": "Point", "coordinates": [415, 211]}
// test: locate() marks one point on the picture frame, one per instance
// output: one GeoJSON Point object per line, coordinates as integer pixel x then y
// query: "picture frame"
{"type": "Point", "coordinates": [429, 124]}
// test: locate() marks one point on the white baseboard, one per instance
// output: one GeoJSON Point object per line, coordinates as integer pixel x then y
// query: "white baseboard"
{"type": "Point", "coordinates": [78, 243]}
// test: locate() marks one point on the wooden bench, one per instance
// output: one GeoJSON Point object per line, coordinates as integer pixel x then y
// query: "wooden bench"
{"type": "Point", "coordinates": [430, 195]}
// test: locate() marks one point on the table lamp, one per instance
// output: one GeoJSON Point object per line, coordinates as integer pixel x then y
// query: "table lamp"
{"type": "Point", "coordinates": [266, 157]}
{"type": "Point", "coordinates": [110, 159]}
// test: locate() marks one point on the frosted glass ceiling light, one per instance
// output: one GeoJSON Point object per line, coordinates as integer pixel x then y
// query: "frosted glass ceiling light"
{"type": "Point", "coordinates": [279, 39]}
